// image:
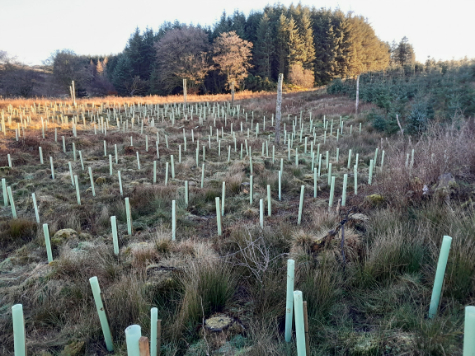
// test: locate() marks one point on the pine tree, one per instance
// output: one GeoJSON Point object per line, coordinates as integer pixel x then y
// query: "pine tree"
{"type": "Point", "coordinates": [366, 52]}
{"type": "Point", "coordinates": [225, 24]}
{"type": "Point", "coordinates": [328, 37]}
{"type": "Point", "coordinates": [338, 48]}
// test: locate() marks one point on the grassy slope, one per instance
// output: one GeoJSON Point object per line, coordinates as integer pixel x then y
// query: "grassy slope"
{"type": "Point", "coordinates": [374, 304]}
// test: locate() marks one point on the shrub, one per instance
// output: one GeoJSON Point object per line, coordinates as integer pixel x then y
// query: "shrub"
{"type": "Point", "coordinates": [383, 123]}
{"type": "Point", "coordinates": [300, 76]}
{"type": "Point", "coordinates": [336, 87]}
{"type": "Point", "coordinates": [257, 83]}
{"type": "Point", "coordinates": [417, 120]}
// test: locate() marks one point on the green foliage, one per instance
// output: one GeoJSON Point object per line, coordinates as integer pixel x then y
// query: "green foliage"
{"type": "Point", "coordinates": [122, 75]}
{"type": "Point", "coordinates": [297, 172]}
{"type": "Point", "coordinates": [403, 53]}
{"type": "Point", "coordinates": [383, 123]}
{"type": "Point", "coordinates": [141, 53]}
{"type": "Point", "coordinates": [211, 195]}
{"type": "Point", "coordinates": [417, 119]}
{"type": "Point", "coordinates": [256, 83]}
{"type": "Point", "coordinates": [337, 87]}
{"type": "Point", "coordinates": [264, 48]}
{"type": "Point", "coordinates": [320, 41]}
{"type": "Point", "coordinates": [441, 91]}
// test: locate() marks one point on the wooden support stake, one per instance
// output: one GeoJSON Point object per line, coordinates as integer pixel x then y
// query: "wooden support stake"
{"type": "Point", "coordinates": [144, 346]}
{"type": "Point", "coordinates": [305, 318]}
{"type": "Point", "coordinates": [159, 335]}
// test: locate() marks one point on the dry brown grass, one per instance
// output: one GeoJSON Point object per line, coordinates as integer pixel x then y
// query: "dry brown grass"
{"type": "Point", "coordinates": [439, 151]}
{"type": "Point", "coordinates": [155, 99]}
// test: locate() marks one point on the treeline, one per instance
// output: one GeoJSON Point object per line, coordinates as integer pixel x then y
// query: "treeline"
{"type": "Point", "coordinates": [416, 94]}
{"type": "Point", "coordinates": [54, 79]}
{"type": "Point", "coordinates": [310, 46]}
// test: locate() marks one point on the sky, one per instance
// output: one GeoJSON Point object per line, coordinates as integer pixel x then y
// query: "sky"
{"type": "Point", "coordinates": [31, 30]}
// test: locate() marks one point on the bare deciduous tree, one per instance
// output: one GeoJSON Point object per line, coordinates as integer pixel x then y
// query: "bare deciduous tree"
{"type": "Point", "coordinates": [136, 86]}
{"type": "Point", "coordinates": [182, 54]}
{"type": "Point", "coordinates": [232, 55]}
{"type": "Point", "coordinates": [3, 57]}
{"type": "Point", "coordinates": [16, 79]}
{"type": "Point", "coordinates": [67, 66]}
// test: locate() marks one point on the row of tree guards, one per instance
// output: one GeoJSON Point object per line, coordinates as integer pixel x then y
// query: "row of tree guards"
{"type": "Point", "coordinates": [8, 196]}
{"type": "Point", "coordinates": [138, 345]}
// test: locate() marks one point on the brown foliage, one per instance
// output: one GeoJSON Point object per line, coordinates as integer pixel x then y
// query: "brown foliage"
{"type": "Point", "coordinates": [300, 76]}
{"type": "Point", "coordinates": [232, 55]}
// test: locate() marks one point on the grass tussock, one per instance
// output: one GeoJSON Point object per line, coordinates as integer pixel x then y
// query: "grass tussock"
{"type": "Point", "coordinates": [207, 286]}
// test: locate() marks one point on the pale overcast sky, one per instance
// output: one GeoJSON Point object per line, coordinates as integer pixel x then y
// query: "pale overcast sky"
{"type": "Point", "coordinates": [32, 29]}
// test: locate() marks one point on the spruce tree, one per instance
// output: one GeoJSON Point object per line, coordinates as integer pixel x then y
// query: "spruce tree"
{"type": "Point", "coordinates": [122, 75]}
{"type": "Point", "coordinates": [148, 53]}
{"type": "Point", "coordinates": [364, 51]}
{"type": "Point", "coordinates": [328, 37]}
{"type": "Point", "coordinates": [264, 48]}
{"type": "Point", "coordinates": [403, 54]}
{"type": "Point", "coordinates": [296, 47]}
{"type": "Point", "coordinates": [306, 35]}
{"type": "Point", "coordinates": [239, 24]}
{"type": "Point", "coordinates": [134, 52]}
{"type": "Point", "coordinates": [252, 26]}
{"type": "Point", "coordinates": [281, 46]}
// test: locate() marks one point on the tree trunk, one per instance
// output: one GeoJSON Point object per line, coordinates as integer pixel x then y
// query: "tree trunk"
{"type": "Point", "coordinates": [184, 91]}
{"type": "Point", "coordinates": [278, 113]}
{"type": "Point", "coordinates": [232, 93]}
{"type": "Point", "coordinates": [357, 93]}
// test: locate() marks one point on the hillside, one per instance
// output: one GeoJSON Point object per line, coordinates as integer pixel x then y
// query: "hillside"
{"type": "Point", "coordinates": [365, 257]}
